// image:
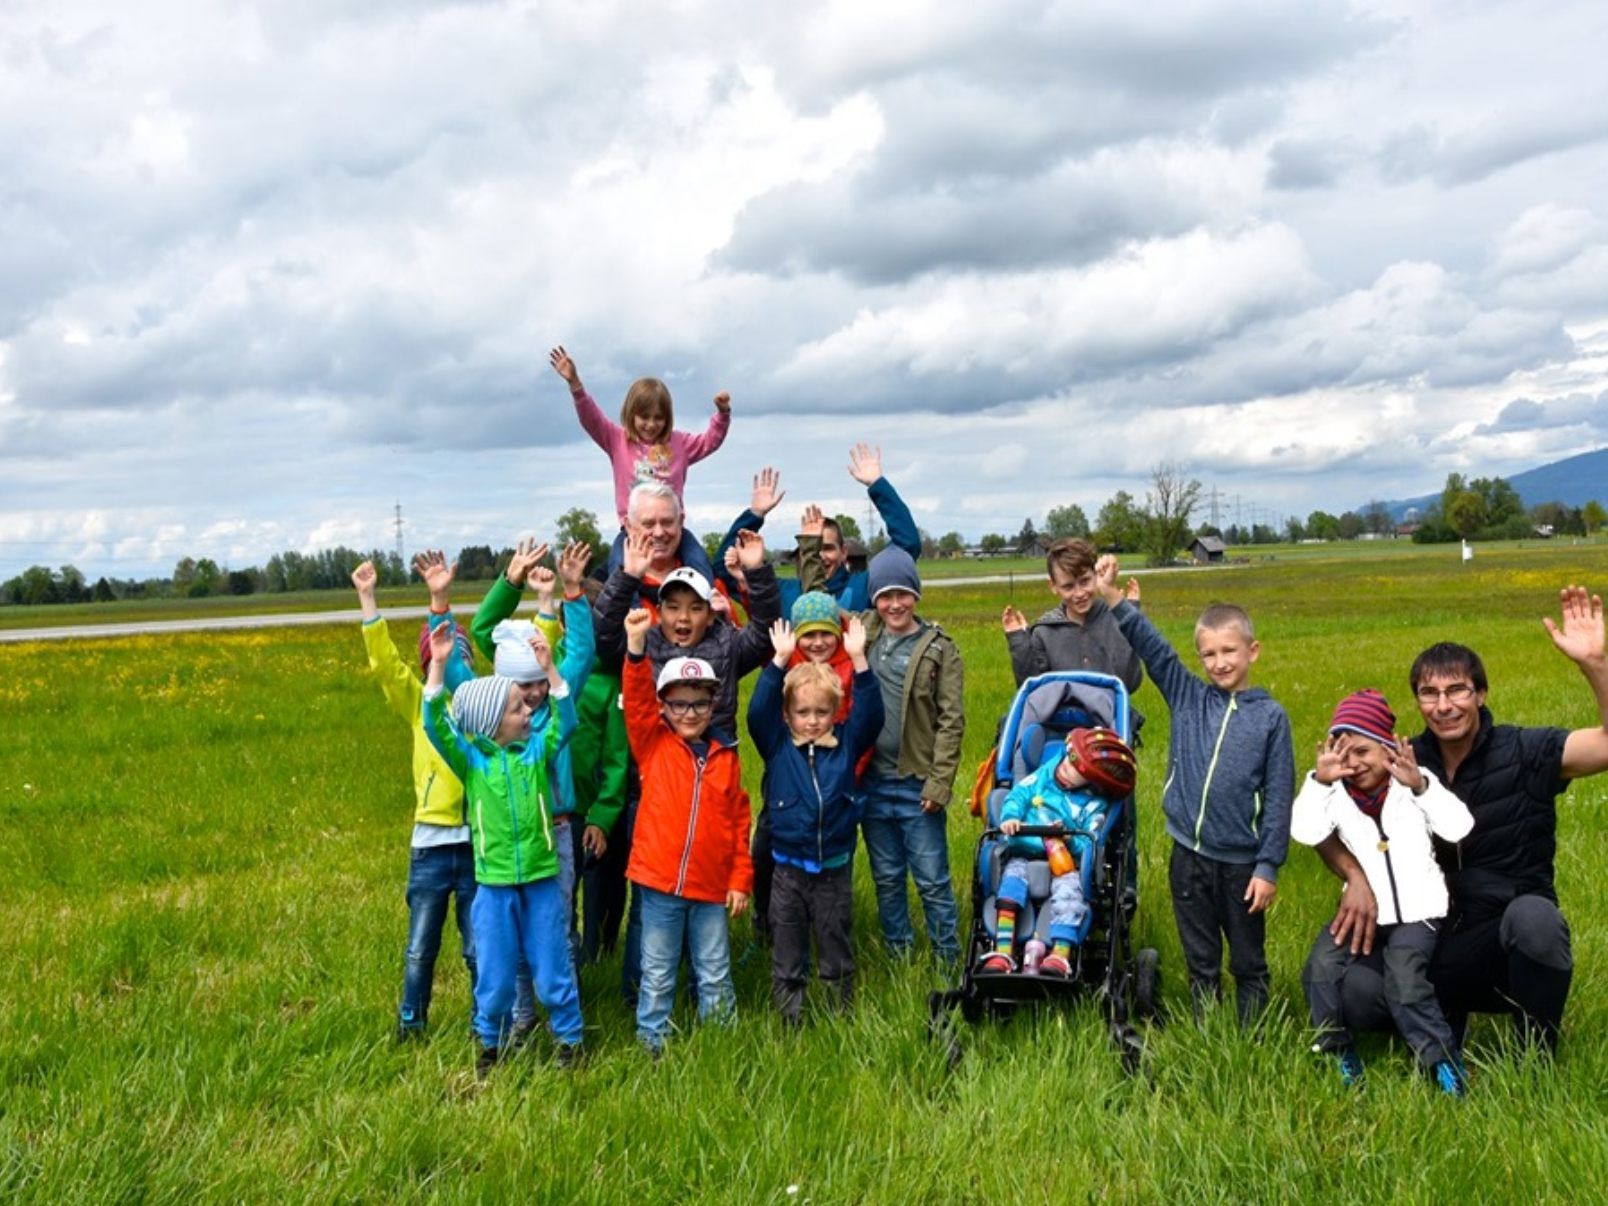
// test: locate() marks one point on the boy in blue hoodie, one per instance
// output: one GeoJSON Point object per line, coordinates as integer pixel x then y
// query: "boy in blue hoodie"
{"type": "Point", "coordinates": [810, 793]}
{"type": "Point", "coordinates": [1230, 784]}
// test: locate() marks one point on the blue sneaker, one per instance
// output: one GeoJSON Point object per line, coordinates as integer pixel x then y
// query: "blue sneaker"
{"type": "Point", "coordinates": [1351, 1069]}
{"type": "Point", "coordinates": [1449, 1079]}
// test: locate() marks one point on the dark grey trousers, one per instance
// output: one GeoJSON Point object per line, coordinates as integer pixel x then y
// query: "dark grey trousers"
{"type": "Point", "coordinates": [1209, 905]}
{"type": "Point", "coordinates": [1409, 992]}
{"type": "Point", "coordinates": [802, 904]}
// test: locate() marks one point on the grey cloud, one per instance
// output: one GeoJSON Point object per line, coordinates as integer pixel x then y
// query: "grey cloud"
{"type": "Point", "coordinates": [1297, 163]}
{"type": "Point", "coordinates": [1466, 156]}
{"type": "Point", "coordinates": [1527, 414]}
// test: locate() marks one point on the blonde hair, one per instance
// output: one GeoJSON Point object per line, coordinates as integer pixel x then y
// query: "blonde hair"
{"type": "Point", "coordinates": [812, 676]}
{"type": "Point", "coordinates": [647, 394]}
{"type": "Point", "coordinates": [1225, 615]}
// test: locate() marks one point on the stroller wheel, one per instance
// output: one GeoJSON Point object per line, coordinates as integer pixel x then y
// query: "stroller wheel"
{"type": "Point", "coordinates": [1147, 984]}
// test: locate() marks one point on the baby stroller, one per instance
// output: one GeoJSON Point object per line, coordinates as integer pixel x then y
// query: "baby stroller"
{"type": "Point", "coordinates": [1045, 709]}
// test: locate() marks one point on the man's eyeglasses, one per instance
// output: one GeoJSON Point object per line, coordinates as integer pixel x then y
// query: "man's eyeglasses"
{"type": "Point", "coordinates": [1457, 693]}
{"type": "Point", "coordinates": [688, 707]}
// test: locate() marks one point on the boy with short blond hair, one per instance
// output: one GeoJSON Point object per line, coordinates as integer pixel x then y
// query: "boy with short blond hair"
{"type": "Point", "coordinates": [689, 854]}
{"type": "Point", "coordinates": [1229, 787]}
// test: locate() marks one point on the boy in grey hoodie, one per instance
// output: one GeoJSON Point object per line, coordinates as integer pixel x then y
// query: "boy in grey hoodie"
{"type": "Point", "coordinates": [1230, 784]}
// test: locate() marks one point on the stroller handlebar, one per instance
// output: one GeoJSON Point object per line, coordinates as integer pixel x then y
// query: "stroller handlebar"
{"type": "Point", "coordinates": [1041, 831]}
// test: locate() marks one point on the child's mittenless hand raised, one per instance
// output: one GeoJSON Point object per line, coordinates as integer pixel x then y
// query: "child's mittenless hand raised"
{"type": "Point", "coordinates": [1105, 580]}
{"type": "Point", "coordinates": [565, 368]}
{"type": "Point", "coordinates": [723, 402]}
{"type": "Point", "coordinates": [637, 622]}
{"type": "Point", "coordinates": [766, 495]}
{"type": "Point", "coordinates": [364, 578]}
{"type": "Point", "coordinates": [1131, 591]}
{"type": "Point", "coordinates": [527, 555]}
{"type": "Point", "coordinates": [432, 566]}
{"type": "Point", "coordinates": [543, 652]}
{"type": "Point", "coordinates": [812, 522]}
{"type": "Point", "coordinates": [734, 566]}
{"type": "Point", "coordinates": [854, 641]}
{"type": "Point", "coordinates": [783, 642]}
{"type": "Point", "coordinates": [442, 639]}
{"type": "Point", "coordinates": [1012, 620]}
{"type": "Point", "coordinates": [1404, 766]}
{"type": "Point", "coordinates": [865, 464]}
{"type": "Point", "coordinates": [544, 581]}
{"type": "Point", "coordinates": [750, 550]}
{"type": "Point", "coordinates": [1331, 767]}
{"type": "Point", "coordinates": [572, 566]}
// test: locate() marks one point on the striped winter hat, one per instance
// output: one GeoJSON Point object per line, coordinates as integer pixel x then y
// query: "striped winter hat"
{"type": "Point", "coordinates": [816, 611]}
{"type": "Point", "coordinates": [479, 704]}
{"type": "Point", "coordinates": [465, 649]}
{"type": "Point", "coordinates": [1368, 714]}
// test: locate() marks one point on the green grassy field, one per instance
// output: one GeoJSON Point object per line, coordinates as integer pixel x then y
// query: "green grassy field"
{"type": "Point", "coordinates": [204, 847]}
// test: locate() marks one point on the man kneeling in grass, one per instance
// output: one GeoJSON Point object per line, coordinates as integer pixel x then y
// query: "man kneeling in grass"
{"type": "Point", "coordinates": [1505, 948]}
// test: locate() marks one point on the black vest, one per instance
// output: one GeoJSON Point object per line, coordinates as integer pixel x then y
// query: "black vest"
{"type": "Point", "coordinates": [1510, 781]}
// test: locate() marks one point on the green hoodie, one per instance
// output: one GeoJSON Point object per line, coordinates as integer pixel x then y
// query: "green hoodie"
{"type": "Point", "coordinates": [507, 789]}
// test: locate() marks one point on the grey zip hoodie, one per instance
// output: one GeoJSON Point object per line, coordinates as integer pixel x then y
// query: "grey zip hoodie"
{"type": "Point", "coordinates": [1056, 643]}
{"type": "Point", "coordinates": [1230, 761]}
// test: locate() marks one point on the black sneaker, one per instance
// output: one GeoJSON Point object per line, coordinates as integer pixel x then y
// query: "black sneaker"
{"type": "Point", "coordinates": [570, 1055]}
{"type": "Point", "coordinates": [520, 1034]}
{"type": "Point", "coordinates": [487, 1061]}
{"type": "Point", "coordinates": [408, 1034]}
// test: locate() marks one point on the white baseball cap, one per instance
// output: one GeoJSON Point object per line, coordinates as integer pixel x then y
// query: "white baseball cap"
{"type": "Point", "coordinates": [688, 577]}
{"type": "Point", "coordinates": [692, 670]}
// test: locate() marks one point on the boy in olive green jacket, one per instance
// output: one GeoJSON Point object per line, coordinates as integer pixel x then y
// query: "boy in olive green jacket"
{"type": "Point", "coordinates": [505, 756]}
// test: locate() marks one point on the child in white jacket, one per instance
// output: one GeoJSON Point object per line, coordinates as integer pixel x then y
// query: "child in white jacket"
{"type": "Point", "coordinates": [1369, 789]}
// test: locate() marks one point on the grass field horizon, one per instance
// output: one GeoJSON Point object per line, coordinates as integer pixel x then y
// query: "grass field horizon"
{"type": "Point", "coordinates": [205, 845]}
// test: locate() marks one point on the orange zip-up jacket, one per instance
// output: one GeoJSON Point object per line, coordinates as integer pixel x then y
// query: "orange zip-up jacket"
{"type": "Point", "coordinates": [691, 835]}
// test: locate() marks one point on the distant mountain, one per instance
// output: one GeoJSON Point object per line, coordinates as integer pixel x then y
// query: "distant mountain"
{"type": "Point", "coordinates": [1573, 482]}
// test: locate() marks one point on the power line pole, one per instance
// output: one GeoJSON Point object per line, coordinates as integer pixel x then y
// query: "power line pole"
{"type": "Point", "coordinates": [400, 559]}
{"type": "Point", "coordinates": [1217, 521]}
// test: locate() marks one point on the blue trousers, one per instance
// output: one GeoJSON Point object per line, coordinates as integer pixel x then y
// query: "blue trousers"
{"type": "Point", "coordinates": [435, 874]}
{"type": "Point", "coordinates": [900, 838]}
{"type": "Point", "coordinates": [668, 924]}
{"type": "Point", "coordinates": [526, 920]}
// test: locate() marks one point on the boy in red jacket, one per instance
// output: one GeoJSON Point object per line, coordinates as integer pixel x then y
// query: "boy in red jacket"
{"type": "Point", "coordinates": [689, 852]}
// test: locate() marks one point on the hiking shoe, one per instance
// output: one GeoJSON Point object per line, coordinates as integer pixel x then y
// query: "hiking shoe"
{"type": "Point", "coordinates": [1449, 1079]}
{"type": "Point", "coordinates": [996, 963]}
{"type": "Point", "coordinates": [486, 1062]}
{"type": "Point", "coordinates": [1055, 965]}
{"type": "Point", "coordinates": [570, 1055]}
{"type": "Point", "coordinates": [409, 1034]}
{"type": "Point", "coordinates": [519, 1034]}
{"type": "Point", "coordinates": [1351, 1069]}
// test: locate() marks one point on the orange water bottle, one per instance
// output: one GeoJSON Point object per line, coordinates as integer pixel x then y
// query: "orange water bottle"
{"type": "Point", "coordinates": [1060, 857]}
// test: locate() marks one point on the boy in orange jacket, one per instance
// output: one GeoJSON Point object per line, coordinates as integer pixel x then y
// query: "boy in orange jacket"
{"type": "Point", "coordinates": [689, 852]}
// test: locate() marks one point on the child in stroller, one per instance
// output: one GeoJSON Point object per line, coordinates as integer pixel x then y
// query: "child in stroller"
{"type": "Point", "coordinates": [1069, 793]}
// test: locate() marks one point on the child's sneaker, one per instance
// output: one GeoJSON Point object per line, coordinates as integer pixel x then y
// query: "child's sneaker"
{"type": "Point", "coordinates": [996, 963]}
{"type": "Point", "coordinates": [521, 1032]}
{"type": "Point", "coordinates": [1351, 1070]}
{"type": "Point", "coordinates": [1449, 1079]}
{"type": "Point", "coordinates": [1055, 965]}
{"type": "Point", "coordinates": [487, 1061]}
{"type": "Point", "coordinates": [570, 1055]}
{"type": "Point", "coordinates": [408, 1034]}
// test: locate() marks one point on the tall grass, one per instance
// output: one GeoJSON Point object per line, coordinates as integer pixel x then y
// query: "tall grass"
{"type": "Point", "coordinates": [203, 843]}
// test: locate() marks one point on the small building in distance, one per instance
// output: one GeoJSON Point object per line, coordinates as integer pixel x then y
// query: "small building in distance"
{"type": "Point", "coordinates": [1208, 550]}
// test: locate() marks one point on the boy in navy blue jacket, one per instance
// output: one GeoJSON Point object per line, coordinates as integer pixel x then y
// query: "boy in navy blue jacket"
{"type": "Point", "coordinates": [1230, 784]}
{"type": "Point", "coordinates": [810, 792]}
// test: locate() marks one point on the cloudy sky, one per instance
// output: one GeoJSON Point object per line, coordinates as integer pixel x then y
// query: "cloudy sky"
{"type": "Point", "coordinates": [268, 268]}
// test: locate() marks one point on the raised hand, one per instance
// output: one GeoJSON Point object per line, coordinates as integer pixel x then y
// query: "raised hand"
{"type": "Point", "coordinates": [1105, 579]}
{"type": "Point", "coordinates": [734, 565]}
{"type": "Point", "coordinates": [572, 565]}
{"type": "Point", "coordinates": [637, 555]}
{"type": "Point", "coordinates": [1131, 591]}
{"type": "Point", "coordinates": [812, 522]}
{"type": "Point", "coordinates": [432, 566]}
{"type": "Point", "coordinates": [637, 622]}
{"type": "Point", "coordinates": [1580, 637]}
{"type": "Point", "coordinates": [1404, 765]}
{"type": "Point", "coordinates": [723, 402]}
{"type": "Point", "coordinates": [865, 464]}
{"type": "Point", "coordinates": [750, 550]}
{"type": "Point", "coordinates": [854, 639]}
{"type": "Point", "coordinates": [565, 368]}
{"type": "Point", "coordinates": [543, 652]}
{"type": "Point", "coordinates": [1012, 620]}
{"type": "Point", "coordinates": [765, 496]}
{"type": "Point", "coordinates": [544, 580]}
{"type": "Point", "coordinates": [783, 642]}
{"type": "Point", "coordinates": [364, 578]}
{"type": "Point", "coordinates": [527, 553]}
{"type": "Point", "coordinates": [1331, 767]}
{"type": "Point", "coordinates": [442, 638]}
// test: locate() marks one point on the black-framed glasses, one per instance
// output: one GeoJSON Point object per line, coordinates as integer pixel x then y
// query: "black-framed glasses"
{"type": "Point", "coordinates": [1457, 693]}
{"type": "Point", "coordinates": [688, 707]}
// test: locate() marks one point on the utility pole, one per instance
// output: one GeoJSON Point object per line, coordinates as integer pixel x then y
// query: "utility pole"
{"type": "Point", "coordinates": [400, 559]}
{"type": "Point", "coordinates": [1217, 521]}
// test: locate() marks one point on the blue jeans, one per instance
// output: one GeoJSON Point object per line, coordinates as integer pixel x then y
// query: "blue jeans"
{"type": "Point", "coordinates": [523, 920]}
{"type": "Point", "coordinates": [669, 923]}
{"type": "Point", "coordinates": [434, 874]}
{"type": "Point", "coordinates": [899, 837]}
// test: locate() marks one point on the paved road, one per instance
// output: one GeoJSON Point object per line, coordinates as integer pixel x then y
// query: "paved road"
{"type": "Point", "coordinates": [294, 619]}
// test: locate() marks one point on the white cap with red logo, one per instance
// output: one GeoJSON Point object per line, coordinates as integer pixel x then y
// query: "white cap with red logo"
{"type": "Point", "coordinates": [692, 670]}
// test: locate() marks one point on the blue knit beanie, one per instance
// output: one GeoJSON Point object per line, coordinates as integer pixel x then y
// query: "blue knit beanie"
{"type": "Point", "coordinates": [892, 569]}
{"type": "Point", "coordinates": [816, 611]}
{"type": "Point", "coordinates": [479, 704]}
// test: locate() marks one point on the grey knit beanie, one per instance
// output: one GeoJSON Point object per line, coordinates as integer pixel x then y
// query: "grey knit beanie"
{"type": "Point", "coordinates": [892, 569]}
